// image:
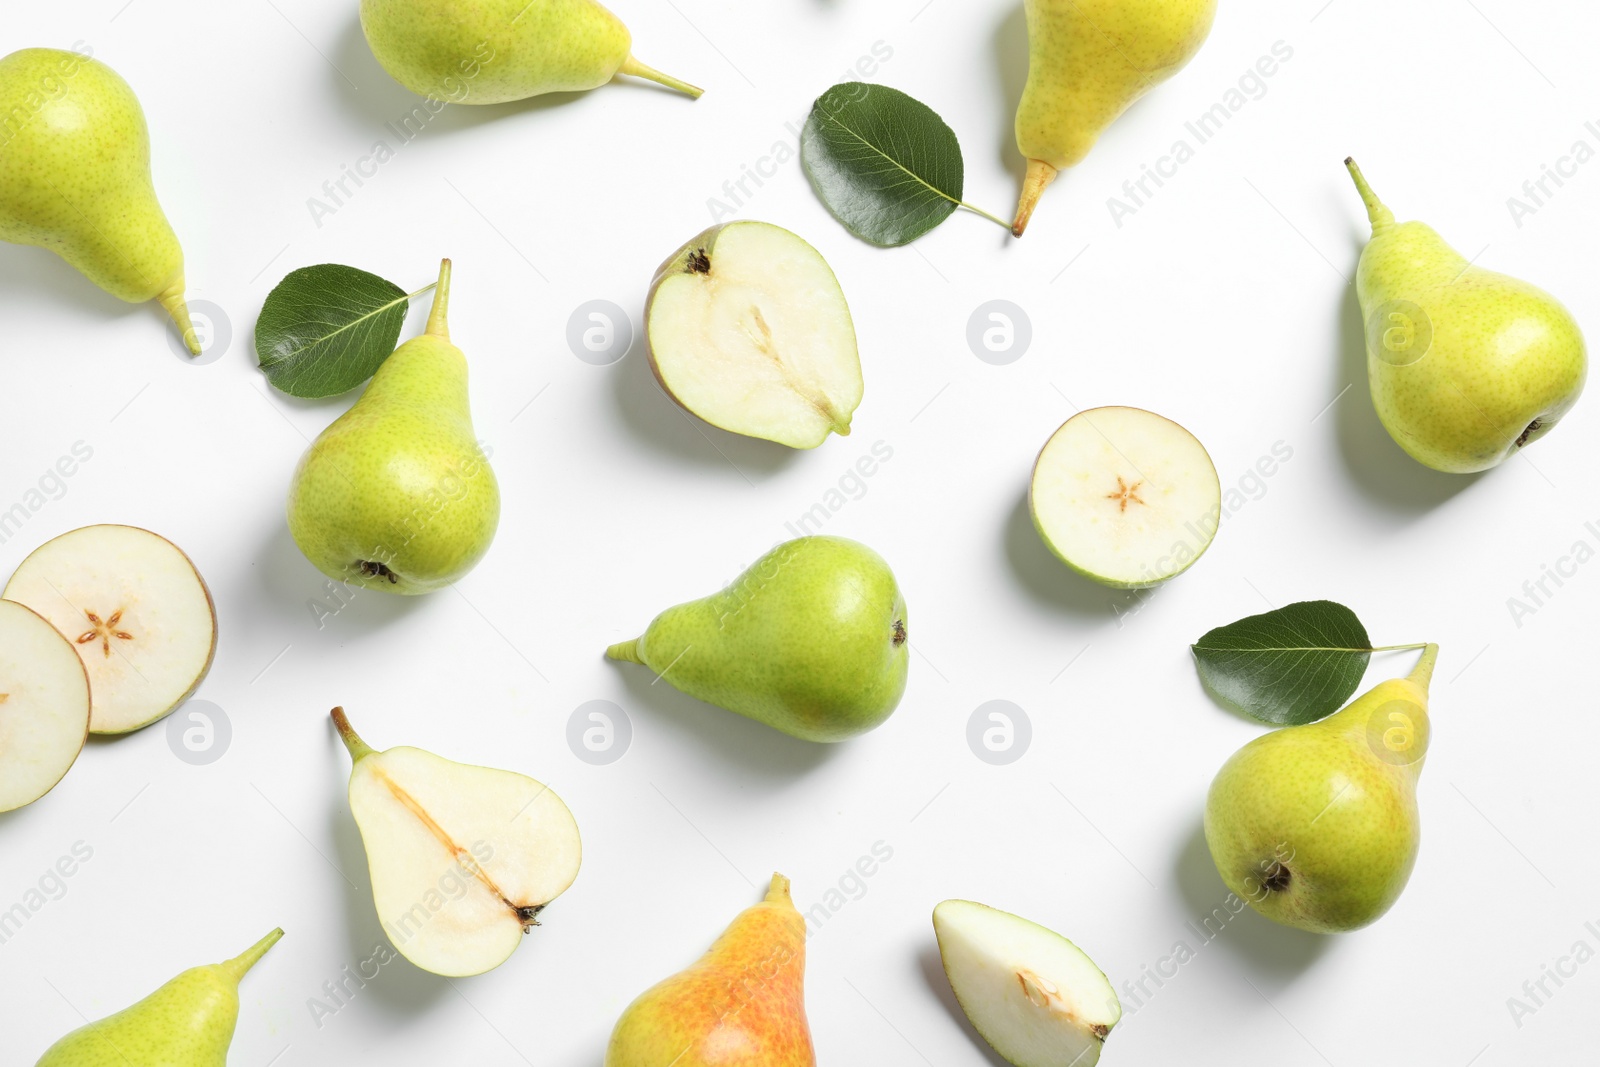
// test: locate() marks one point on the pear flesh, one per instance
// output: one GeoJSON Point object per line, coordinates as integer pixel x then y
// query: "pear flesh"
{"type": "Point", "coordinates": [75, 178]}
{"type": "Point", "coordinates": [1036, 998]}
{"type": "Point", "coordinates": [1316, 826]}
{"type": "Point", "coordinates": [749, 330]}
{"type": "Point", "coordinates": [397, 495]}
{"type": "Point", "coordinates": [462, 858]}
{"type": "Point", "coordinates": [1466, 366]}
{"type": "Point", "coordinates": [44, 706]}
{"type": "Point", "coordinates": [1125, 497]}
{"type": "Point", "coordinates": [496, 51]}
{"type": "Point", "coordinates": [741, 1005]}
{"type": "Point", "coordinates": [1088, 61]}
{"type": "Point", "coordinates": [136, 610]}
{"type": "Point", "coordinates": [188, 1022]}
{"type": "Point", "coordinates": [810, 639]}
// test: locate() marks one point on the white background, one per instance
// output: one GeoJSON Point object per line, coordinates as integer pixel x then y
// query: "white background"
{"type": "Point", "coordinates": [1224, 303]}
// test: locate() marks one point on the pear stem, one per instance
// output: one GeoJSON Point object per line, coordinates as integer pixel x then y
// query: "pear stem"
{"type": "Point", "coordinates": [627, 650]}
{"type": "Point", "coordinates": [1040, 175]}
{"type": "Point", "coordinates": [639, 70]}
{"type": "Point", "coordinates": [1422, 673]}
{"type": "Point", "coordinates": [437, 324]}
{"type": "Point", "coordinates": [1382, 218]}
{"type": "Point", "coordinates": [173, 302]}
{"type": "Point", "coordinates": [778, 892]}
{"type": "Point", "coordinates": [359, 749]}
{"type": "Point", "coordinates": [236, 967]}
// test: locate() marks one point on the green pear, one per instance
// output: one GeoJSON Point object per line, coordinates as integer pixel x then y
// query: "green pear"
{"type": "Point", "coordinates": [1088, 61]}
{"type": "Point", "coordinates": [810, 640]}
{"type": "Point", "coordinates": [1466, 366]}
{"type": "Point", "coordinates": [1316, 826]}
{"type": "Point", "coordinates": [75, 178]}
{"type": "Point", "coordinates": [493, 51]}
{"type": "Point", "coordinates": [396, 494]}
{"type": "Point", "coordinates": [186, 1023]}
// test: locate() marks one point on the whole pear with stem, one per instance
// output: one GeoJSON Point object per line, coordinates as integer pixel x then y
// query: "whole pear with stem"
{"type": "Point", "coordinates": [188, 1022]}
{"type": "Point", "coordinates": [1466, 366]}
{"type": "Point", "coordinates": [75, 178]}
{"type": "Point", "coordinates": [1316, 826]}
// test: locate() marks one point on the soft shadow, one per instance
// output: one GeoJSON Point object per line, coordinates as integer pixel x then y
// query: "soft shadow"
{"type": "Point", "coordinates": [1052, 582]}
{"type": "Point", "coordinates": [932, 967]}
{"type": "Point", "coordinates": [738, 740]}
{"type": "Point", "coordinates": [288, 583]}
{"type": "Point", "coordinates": [1280, 953]}
{"type": "Point", "coordinates": [1379, 466]}
{"type": "Point", "coordinates": [1010, 47]}
{"type": "Point", "coordinates": [31, 277]}
{"type": "Point", "coordinates": [661, 423]}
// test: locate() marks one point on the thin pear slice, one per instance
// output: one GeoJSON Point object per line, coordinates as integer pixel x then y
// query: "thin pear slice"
{"type": "Point", "coordinates": [749, 330]}
{"type": "Point", "coordinates": [462, 858]}
{"type": "Point", "coordinates": [1125, 497]}
{"type": "Point", "coordinates": [137, 611]}
{"type": "Point", "coordinates": [1032, 994]}
{"type": "Point", "coordinates": [44, 706]}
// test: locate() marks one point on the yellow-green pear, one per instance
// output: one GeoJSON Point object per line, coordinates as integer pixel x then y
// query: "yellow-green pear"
{"type": "Point", "coordinates": [75, 178]}
{"type": "Point", "coordinates": [397, 495]}
{"type": "Point", "coordinates": [1466, 366]}
{"type": "Point", "coordinates": [1316, 826]}
{"type": "Point", "coordinates": [492, 51]}
{"type": "Point", "coordinates": [810, 639]}
{"type": "Point", "coordinates": [1088, 61]}
{"type": "Point", "coordinates": [186, 1023]}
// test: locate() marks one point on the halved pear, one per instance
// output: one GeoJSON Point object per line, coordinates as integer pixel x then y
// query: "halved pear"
{"type": "Point", "coordinates": [137, 611]}
{"type": "Point", "coordinates": [748, 329]}
{"type": "Point", "coordinates": [1032, 994]}
{"type": "Point", "coordinates": [1125, 497]}
{"type": "Point", "coordinates": [462, 858]}
{"type": "Point", "coordinates": [44, 706]}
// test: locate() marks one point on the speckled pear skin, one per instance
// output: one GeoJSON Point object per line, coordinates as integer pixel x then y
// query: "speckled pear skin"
{"type": "Point", "coordinates": [495, 51]}
{"type": "Point", "coordinates": [188, 1022]}
{"type": "Point", "coordinates": [75, 177]}
{"type": "Point", "coordinates": [1504, 363]}
{"type": "Point", "coordinates": [1088, 61]}
{"type": "Point", "coordinates": [397, 495]}
{"type": "Point", "coordinates": [1316, 826]}
{"type": "Point", "coordinates": [742, 1005]}
{"type": "Point", "coordinates": [810, 640]}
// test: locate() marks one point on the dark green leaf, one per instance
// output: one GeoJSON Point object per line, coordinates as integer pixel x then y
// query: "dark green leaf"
{"type": "Point", "coordinates": [885, 164]}
{"type": "Point", "coordinates": [1291, 666]}
{"type": "Point", "coordinates": [324, 330]}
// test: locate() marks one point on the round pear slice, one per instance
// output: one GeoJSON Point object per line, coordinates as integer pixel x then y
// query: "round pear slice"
{"type": "Point", "coordinates": [44, 706]}
{"type": "Point", "coordinates": [1125, 497]}
{"type": "Point", "coordinates": [1032, 994]}
{"type": "Point", "coordinates": [748, 329]}
{"type": "Point", "coordinates": [462, 858]}
{"type": "Point", "coordinates": [137, 611]}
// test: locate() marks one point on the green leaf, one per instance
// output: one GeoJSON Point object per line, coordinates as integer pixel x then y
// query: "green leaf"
{"type": "Point", "coordinates": [326, 329]}
{"type": "Point", "coordinates": [884, 163]}
{"type": "Point", "coordinates": [1291, 666]}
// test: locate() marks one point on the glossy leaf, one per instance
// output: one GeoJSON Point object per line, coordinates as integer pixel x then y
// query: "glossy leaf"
{"type": "Point", "coordinates": [1290, 666]}
{"type": "Point", "coordinates": [326, 329]}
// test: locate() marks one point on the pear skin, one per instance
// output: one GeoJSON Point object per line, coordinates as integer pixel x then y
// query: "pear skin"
{"type": "Point", "coordinates": [397, 495]}
{"type": "Point", "coordinates": [1088, 61]}
{"type": "Point", "coordinates": [188, 1022]}
{"type": "Point", "coordinates": [1316, 826]}
{"type": "Point", "coordinates": [495, 51]}
{"type": "Point", "coordinates": [75, 178]}
{"type": "Point", "coordinates": [1466, 366]}
{"type": "Point", "coordinates": [810, 639]}
{"type": "Point", "coordinates": [742, 1005]}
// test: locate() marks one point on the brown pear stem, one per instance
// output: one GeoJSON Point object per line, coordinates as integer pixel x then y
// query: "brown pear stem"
{"type": "Point", "coordinates": [172, 301]}
{"type": "Point", "coordinates": [438, 326]}
{"type": "Point", "coordinates": [1382, 218]}
{"type": "Point", "coordinates": [236, 967]}
{"type": "Point", "coordinates": [359, 749]}
{"type": "Point", "coordinates": [778, 892]}
{"type": "Point", "coordinates": [1422, 673]}
{"type": "Point", "coordinates": [1040, 175]}
{"type": "Point", "coordinates": [639, 70]}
